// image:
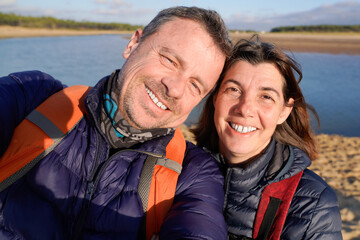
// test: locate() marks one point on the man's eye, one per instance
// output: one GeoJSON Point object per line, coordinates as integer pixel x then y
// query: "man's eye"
{"type": "Point", "coordinates": [195, 88]}
{"type": "Point", "coordinates": [194, 85]}
{"type": "Point", "coordinates": [168, 60]}
{"type": "Point", "coordinates": [171, 61]}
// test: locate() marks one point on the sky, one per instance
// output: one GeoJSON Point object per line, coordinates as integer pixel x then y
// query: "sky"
{"type": "Point", "coordinates": [258, 15]}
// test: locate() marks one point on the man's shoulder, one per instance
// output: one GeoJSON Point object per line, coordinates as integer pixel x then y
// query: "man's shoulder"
{"type": "Point", "coordinates": [198, 160]}
{"type": "Point", "coordinates": [32, 74]}
{"type": "Point", "coordinates": [193, 151]}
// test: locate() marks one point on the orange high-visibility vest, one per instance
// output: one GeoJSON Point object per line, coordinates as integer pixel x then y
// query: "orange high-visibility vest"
{"type": "Point", "coordinates": [44, 128]}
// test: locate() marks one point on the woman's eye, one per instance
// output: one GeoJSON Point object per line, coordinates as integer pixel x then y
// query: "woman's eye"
{"type": "Point", "coordinates": [267, 97]}
{"type": "Point", "coordinates": [232, 91]}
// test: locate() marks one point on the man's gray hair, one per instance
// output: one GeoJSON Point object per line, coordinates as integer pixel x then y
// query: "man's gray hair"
{"type": "Point", "coordinates": [210, 19]}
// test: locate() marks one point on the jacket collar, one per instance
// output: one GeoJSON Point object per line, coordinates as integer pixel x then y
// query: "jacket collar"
{"type": "Point", "coordinates": [277, 162]}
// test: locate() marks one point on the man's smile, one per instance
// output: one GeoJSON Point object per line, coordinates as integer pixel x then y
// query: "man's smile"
{"type": "Point", "coordinates": [155, 99]}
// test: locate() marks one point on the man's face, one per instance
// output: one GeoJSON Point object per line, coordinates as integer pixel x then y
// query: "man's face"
{"type": "Point", "coordinates": [167, 74]}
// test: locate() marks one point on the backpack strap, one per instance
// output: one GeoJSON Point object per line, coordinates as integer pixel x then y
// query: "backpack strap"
{"type": "Point", "coordinates": [40, 132]}
{"type": "Point", "coordinates": [158, 182]}
{"type": "Point", "coordinates": [273, 207]}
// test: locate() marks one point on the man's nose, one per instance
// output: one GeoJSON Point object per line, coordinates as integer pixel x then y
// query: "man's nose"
{"type": "Point", "coordinates": [175, 85]}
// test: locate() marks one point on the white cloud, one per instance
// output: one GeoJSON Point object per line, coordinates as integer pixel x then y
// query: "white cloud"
{"type": "Point", "coordinates": [101, 1]}
{"type": "Point", "coordinates": [113, 3]}
{"type": "Point", "coordinates": [125, 15]}
{"type": "Point", "coordinates": [7, 2]}
{"type": "Point", "coordinates": [341, 13]}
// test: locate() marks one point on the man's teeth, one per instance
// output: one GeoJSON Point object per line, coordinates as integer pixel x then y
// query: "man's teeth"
{"type": "Point", "coordinates": [242, 129]}
{"type": "Point", "coordinates": [155, 99]}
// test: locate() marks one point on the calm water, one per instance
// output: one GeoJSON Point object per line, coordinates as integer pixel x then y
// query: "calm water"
{"type": "Point", "coordinates": [331, 83]}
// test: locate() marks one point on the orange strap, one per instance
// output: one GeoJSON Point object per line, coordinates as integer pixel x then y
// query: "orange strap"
{"type": "Point", "coordinates": [163, 186]}
{"type": "Point", "coordinates": [40, 132]}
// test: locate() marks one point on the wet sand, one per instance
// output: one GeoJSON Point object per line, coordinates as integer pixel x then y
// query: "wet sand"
{"type": "Point", "coordinates": [339, 165]}
{"type": "Point", "coordinates": [335, 43]}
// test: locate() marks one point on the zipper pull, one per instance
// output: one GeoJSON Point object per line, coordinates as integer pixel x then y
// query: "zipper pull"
{"type": "Point", "coordinates": [90, 189]}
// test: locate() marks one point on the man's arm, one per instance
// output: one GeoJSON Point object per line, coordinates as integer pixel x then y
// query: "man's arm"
{"type": "Point", "coordinates": [197, 209]}
{"type": "Point", "coordinates": [20, 93]}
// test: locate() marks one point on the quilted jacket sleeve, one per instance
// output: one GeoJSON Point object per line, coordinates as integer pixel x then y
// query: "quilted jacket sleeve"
{"type": "Point", "coordinates": [197, 209]}
{"type": "Point", "coordinates": [314, 213]}
{"type": "Point", "coordinates": [326, 218]}
{"type": "Point", "coordinates": [20, 93]}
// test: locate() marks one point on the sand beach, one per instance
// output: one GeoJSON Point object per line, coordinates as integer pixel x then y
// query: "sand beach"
{"type": "Point", "coordinates": [339, 158]}
{"type": "Point", "coordinates": [334, 43]}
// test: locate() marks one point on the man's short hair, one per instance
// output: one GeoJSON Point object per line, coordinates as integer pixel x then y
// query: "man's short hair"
{"type": "Point", "coordinates": [210, 19]}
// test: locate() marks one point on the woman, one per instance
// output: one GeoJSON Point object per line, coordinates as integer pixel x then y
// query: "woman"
{"type": "Point", "coordinates": [262, 132]}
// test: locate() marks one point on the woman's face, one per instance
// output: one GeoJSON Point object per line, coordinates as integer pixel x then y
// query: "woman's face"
{"type": "Point", "coordinates": [248, 106]}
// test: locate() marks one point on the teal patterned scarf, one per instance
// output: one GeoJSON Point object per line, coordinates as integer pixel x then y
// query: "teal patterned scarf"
{"type": "Point", "coordinates": [118, 131]}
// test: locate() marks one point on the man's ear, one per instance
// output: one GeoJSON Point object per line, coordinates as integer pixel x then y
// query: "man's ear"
{"type": "Point", "coordinates": [133, 43]}
{"type": "Point", "coordinates": [286, 111]}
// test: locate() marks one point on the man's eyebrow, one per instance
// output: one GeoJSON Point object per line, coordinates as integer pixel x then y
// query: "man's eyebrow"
{"type": "Point", "coordinates": [183, 65]}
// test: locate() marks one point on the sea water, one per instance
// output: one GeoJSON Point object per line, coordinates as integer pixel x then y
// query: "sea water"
{"type": "Point", "coordinates": [331, 83]}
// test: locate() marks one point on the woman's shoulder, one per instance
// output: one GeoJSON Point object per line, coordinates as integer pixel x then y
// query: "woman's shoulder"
{"type": "Point", "coordinates": [316, 186]}
{"type": "Point", "coordinates": [314, 211]}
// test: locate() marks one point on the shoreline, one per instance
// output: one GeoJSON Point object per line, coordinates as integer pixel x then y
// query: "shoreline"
{"type": "Point", "coordinates": [21, 32]}
{"type": "Point", "coordinates": [332, 43]}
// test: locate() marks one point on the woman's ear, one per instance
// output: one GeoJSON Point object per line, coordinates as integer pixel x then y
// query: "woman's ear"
{"type": "Point", "coordinates": [286, 111]}
{"type": "Point", "coordinates": [133, 43]}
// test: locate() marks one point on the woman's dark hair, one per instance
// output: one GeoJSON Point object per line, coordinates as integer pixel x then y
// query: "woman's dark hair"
{"type": "Point", "coordinates": [296, 130]}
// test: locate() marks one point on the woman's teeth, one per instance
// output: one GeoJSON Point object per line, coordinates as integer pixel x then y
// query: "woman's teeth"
{"type": "Point", "coordinates": [242, 129]}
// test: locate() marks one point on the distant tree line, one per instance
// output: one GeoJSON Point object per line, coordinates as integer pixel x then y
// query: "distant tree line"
{"type": "Point", "coordinates": [318, 28]}
{"type": "Point", "coordinates": [53, 23]}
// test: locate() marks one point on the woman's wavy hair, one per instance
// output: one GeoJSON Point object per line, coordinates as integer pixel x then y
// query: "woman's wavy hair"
{"type": "Point", "coordinates": [296, 130]}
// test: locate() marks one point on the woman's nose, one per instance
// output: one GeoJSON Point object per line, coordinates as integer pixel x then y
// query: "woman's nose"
{"type": "Point", "coordinates": [245, 107]}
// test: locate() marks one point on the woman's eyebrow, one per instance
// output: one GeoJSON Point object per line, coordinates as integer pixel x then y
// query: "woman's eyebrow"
{"type": "Point", "coordinates": [270, 89]}
{"type": "Point", "coordinates": [232, 81]}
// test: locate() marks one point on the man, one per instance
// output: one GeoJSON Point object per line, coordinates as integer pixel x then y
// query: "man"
{"type": "Point", "coordinates": [87, 186]}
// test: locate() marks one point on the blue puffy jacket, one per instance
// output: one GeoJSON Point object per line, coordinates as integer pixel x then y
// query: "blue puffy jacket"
{"type": "Point", "coordinates": [314, 211]}
{"type": "Point", "coordinates": [46, 202]}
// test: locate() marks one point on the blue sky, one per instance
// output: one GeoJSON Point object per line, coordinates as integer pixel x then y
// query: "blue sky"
{"type": "Point", "coordinates": [238, 14]}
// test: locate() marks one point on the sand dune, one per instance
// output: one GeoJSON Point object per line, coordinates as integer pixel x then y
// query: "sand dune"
{"type": "Point", "coordinates": [339, 164]}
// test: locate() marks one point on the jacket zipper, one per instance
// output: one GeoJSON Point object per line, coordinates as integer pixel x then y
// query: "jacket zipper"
{"type": "Point", "coordinates": [91, 187]}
